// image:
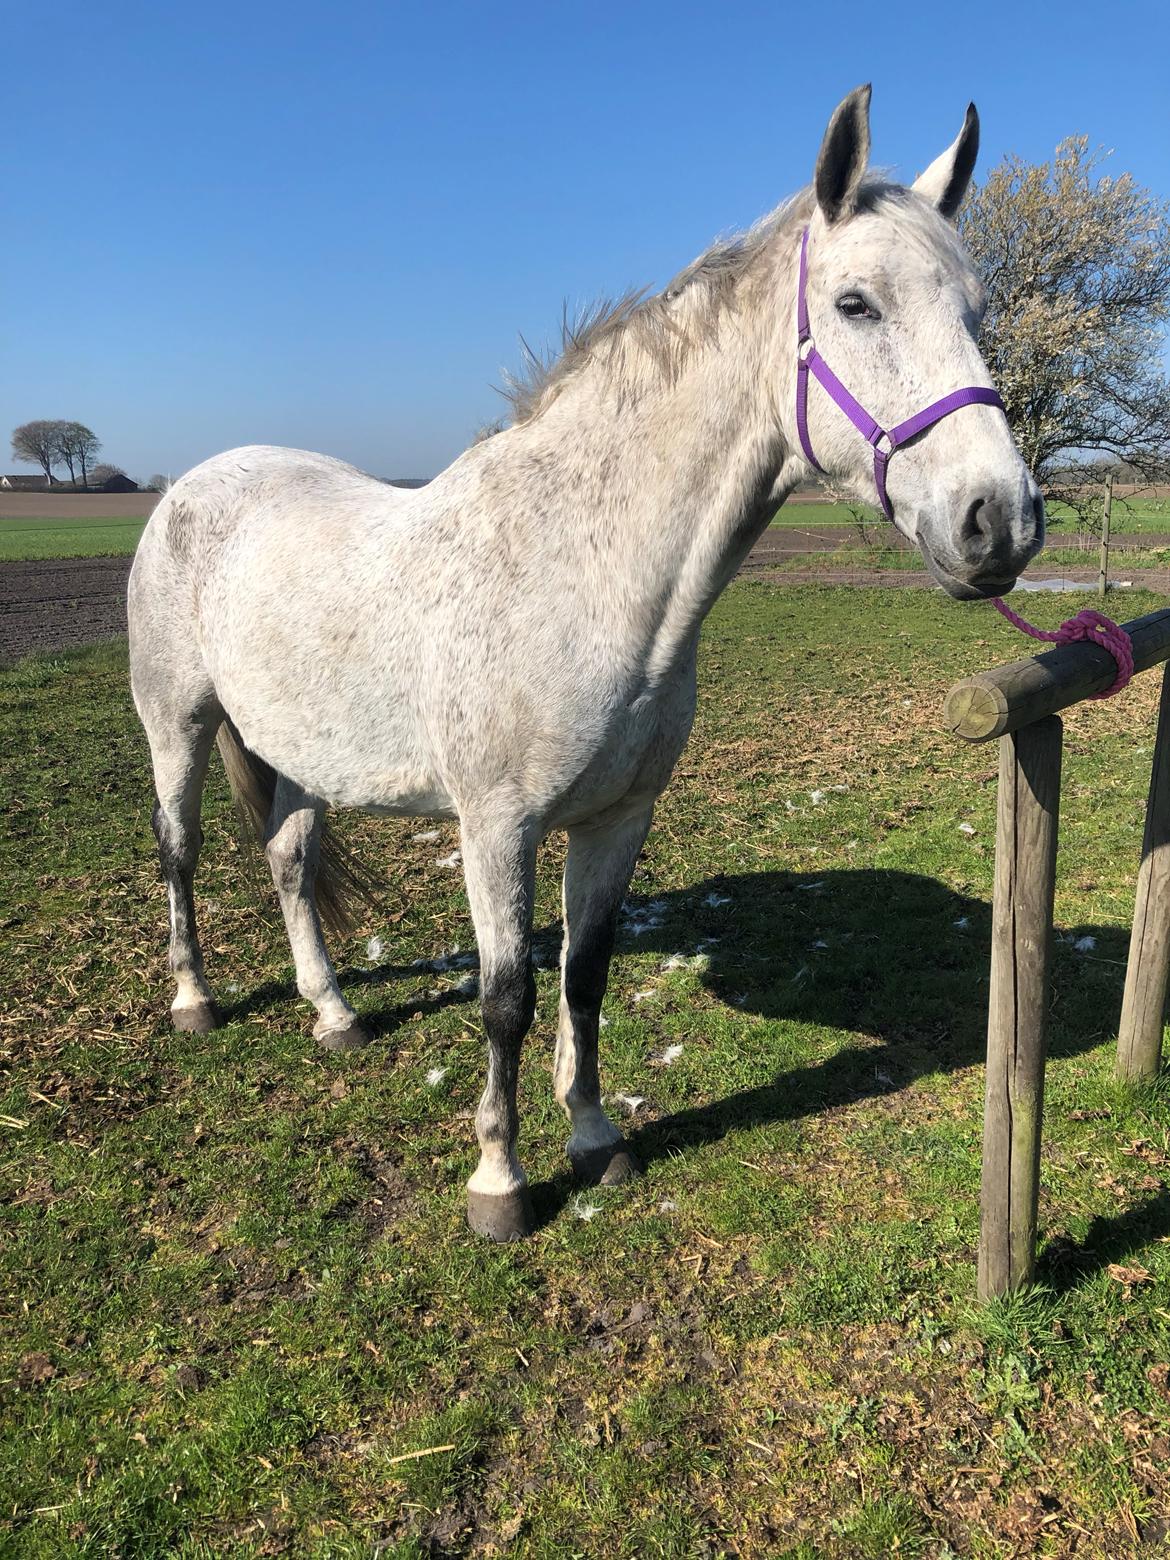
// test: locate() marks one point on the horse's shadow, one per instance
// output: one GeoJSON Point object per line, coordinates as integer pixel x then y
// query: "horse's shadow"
{"type": "Point", "coordinates": [896, 957]}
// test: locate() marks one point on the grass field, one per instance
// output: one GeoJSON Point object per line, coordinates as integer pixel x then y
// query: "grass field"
{"type": "Point", "coordinates": [793, 516]}
{"type": "Point", "coordinates": [1129, 517]}
{"type": "Point", "coordinates": [1140, 514]}
{"type": "Point", "coordinates": [25, 537]}
{"type": "Point", "coordinates": [77, 538]}
{"type": "Point", "coordinates": [50, 537]}
{"type": "Point", "coordinates": [239, 1295]}
{"type": "Point", "coordinates": [853, 554]}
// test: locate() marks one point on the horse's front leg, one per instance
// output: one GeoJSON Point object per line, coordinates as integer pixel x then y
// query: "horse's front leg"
{"type": "Point", "coordinates": [499, 860]}
{"type": "Point", "coordinates": [598, 869]}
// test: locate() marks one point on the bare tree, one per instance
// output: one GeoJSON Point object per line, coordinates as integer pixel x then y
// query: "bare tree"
{"type": "Point", "coordinates": [100, 475]}
{"type": "Point", "coordinates": [38, 443]}
{"type": "Point", "coordinates": [79, 445]}
{"type": "Point", "coordinates": [157, 484]}
{"type": "Point", "coordinates": [1077, 268]}
{"type": "Point", "coordinates": [51, 442]}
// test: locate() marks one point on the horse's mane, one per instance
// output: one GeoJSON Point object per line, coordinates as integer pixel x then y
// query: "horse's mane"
{"type": "Point", "coordinates": [639, 333]}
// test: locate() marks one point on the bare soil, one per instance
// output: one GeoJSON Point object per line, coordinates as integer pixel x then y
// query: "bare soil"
{"type": "Point", "coordinates": [56, 603]}
{"type": "Point", "coordinates": [50, 604]}
{"type": "Point", "coordinates": [52, 505]}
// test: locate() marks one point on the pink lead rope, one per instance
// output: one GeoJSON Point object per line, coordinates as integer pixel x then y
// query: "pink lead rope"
{"type": "Point", "coordinates": [1092, 626]}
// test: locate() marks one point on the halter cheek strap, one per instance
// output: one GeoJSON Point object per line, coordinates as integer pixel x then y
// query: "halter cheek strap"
{"type": "Point", "coordinates": [884, 441]}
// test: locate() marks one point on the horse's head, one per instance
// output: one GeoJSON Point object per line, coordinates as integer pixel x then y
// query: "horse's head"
{"type": "Point", "coordinates": [892, 310]}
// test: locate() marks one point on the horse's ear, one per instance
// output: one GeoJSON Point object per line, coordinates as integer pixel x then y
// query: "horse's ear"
{"type": "Point", "coordinates": [844, 156]}
{"type": "Point", "coordinates": [945, 182]}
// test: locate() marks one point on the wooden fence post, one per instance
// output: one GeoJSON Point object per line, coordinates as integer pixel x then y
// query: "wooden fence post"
{"type": "Point", "coordinates": [1106, 521]}
{"type": "Point", "coordinates": [1025, 874]}
{"type": "Point", "coordinates": [1139, 1038]}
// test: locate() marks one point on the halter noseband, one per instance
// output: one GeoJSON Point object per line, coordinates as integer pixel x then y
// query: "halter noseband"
{"type": "Point", "coordinates": [884, 441]}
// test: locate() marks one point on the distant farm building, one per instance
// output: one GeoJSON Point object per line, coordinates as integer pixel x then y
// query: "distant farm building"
{"type": "Point", "coordinates": [22, 484]}
{"type": "Point", "coordinates": [118, 482]}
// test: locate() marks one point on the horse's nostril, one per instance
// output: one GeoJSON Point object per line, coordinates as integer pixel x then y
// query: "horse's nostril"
{"type": "Point", "coordinates": [986, 535]}
{"type": "Point", "coordinates": [1038, 511]}
{"type": "Point", "coordinates": [976, 528]}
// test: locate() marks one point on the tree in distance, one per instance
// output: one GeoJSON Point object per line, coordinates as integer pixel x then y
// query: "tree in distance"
{"type": "Point", "coordinates": [102, 473]}
{"type": "Point", "coordinates": [78, 445]}
{"type": "Point", "coordinates": [38, 444]}
{"type": "Point", "coordinates": [1076, 262]}
{"type": "Point", "coordinates": [50, 442]}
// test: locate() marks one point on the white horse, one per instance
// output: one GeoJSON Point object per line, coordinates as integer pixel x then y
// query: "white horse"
{"type": "Point", "coordinates": [514, 644]}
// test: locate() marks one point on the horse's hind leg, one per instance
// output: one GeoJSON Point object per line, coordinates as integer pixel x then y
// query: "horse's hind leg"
{"type": "Point", "coordinates": [180, 749]}
{"type": "Point", "coordinates": [598, 869]}
{"type": "Point", "coordinates": [293, 848]}
{"type": "Point", "coordinates": [499, 859]}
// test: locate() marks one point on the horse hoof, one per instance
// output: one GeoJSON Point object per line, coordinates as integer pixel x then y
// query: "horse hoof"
{"type": "Point", "coordinates": [606, 1166]}
{"type": "Point", "coordinates": [198, 1020]}
{"type": "Point", "coordinates": [352, 1038]}
{"type": "Point", "coordinates": [501, 1218]}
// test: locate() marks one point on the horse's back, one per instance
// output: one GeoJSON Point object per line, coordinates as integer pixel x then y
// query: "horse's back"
{"type": "Point", "coordinates": [256, 486]}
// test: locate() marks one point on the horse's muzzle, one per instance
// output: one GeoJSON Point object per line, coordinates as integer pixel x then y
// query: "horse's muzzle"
{"type": "Point", "coordinates": [988, 550]}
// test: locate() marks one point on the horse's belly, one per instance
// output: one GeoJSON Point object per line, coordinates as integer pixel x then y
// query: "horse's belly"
{"type": "Point", "coordinates": [348, 766]}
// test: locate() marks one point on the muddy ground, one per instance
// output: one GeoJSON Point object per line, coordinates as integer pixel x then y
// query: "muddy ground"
{"type": "Point", "coordinates": [76, 506]}
{"type": "Point", "coordinates": [51, 604]}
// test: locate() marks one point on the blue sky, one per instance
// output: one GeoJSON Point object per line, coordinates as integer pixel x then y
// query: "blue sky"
{"type": "Point", "coordinates": [326, 225]}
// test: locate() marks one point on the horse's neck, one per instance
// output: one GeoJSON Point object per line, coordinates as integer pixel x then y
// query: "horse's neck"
{"type": "Point", "coordinates": [667, 491]}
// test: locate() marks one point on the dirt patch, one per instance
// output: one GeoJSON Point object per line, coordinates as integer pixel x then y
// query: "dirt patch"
{"type": "Point", "coordinates": [56, 603]}
{"type": "Point", "coordinates": [764, 562]}
{"type": "Point", "coordinates": [785, 541]}
{"type": "Point", "coordinates": [76, 506]}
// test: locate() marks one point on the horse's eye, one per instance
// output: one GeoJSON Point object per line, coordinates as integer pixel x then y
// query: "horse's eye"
{"type": "Point", "coordinates": [854, 307]}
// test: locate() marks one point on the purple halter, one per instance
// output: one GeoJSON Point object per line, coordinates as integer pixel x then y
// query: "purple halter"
{"type": "Point", "coordinates": [807, 357]}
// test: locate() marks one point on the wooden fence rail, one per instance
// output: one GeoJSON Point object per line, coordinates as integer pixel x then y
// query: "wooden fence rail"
{"type": "Point", "coordinates": [1018, 704]}
{"type": "Point", "coordinates": [991, 704]}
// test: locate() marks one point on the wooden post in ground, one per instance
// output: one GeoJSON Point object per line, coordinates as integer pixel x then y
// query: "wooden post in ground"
{"type": "Point", "coordinates": [1025, 873]}
{"type": "Point", "coordinates": [1139, 1039]}
{"type": "Point", "coordinates": [1106, 521]}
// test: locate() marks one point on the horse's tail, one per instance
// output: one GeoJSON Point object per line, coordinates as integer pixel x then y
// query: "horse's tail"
{"type": "Point", "coordinates": [344, 886]}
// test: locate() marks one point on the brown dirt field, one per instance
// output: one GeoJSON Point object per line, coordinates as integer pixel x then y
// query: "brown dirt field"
{"type": "Point", "coordinates": [56, 603]}
{"type": "Point", "coordinates": [49, 604]}
{"type": "Point", "coordinates": [76, 506]}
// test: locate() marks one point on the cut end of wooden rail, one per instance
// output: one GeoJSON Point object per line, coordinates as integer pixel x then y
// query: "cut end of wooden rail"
{"type": "Point", "coordinates": [975, 711]}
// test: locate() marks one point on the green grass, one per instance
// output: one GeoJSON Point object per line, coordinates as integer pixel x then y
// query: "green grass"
{"type": "Point", "coordinates": [1120, 558]}
{"type": "Point", "coordinates": [853, 554]}
{"type": "Point", "coordinates": [73, 538]}
{"type": "Point", "coordinates": [793, 515]}
{"type": "Point", "coordinates": [1130, 517]}
{"type": "Point", "coordinates": [1150, 515]}
{"type": "Point", "coordinates": [236, 1281]}
{"type": "Point", "coordinates": [67, 538]}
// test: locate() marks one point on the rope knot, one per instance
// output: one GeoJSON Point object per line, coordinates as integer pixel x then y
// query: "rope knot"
{"type": "Point", "coordinates": [1093, 627]}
